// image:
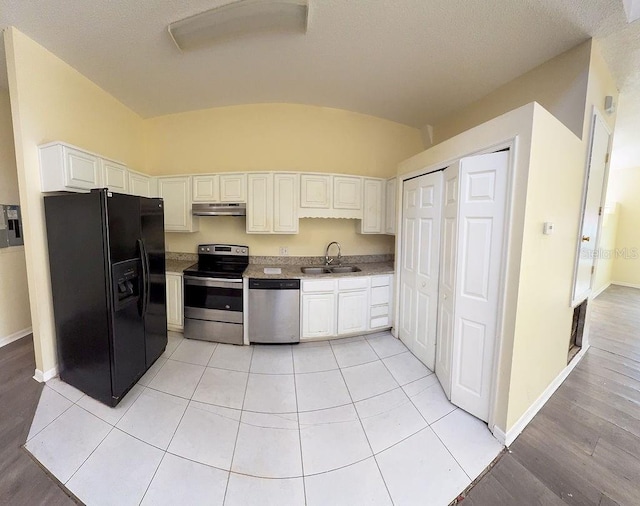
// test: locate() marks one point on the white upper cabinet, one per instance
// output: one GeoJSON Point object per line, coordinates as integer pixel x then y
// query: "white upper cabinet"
{"type": "Point", "coordinates": [260, 203]}
{"type": "Point", "coordinates": [372, 206]}
{"type": "Point", "coordinates": [315, 191]}
{"type": "Point", "coordinates": [347, 192]}
{"type": "Point", "coordinates": [141, 185]}
{"type": "Point", "coordinates": [390, 207]}
{"type": "Point", "coordinates": [176, 192]}
{"type": "Point", "coordinates": [233, 187]}
{"type": "Point", "coordinates": [285, 203]}
{"type": "Point", "coordinates": [64, 167]}
{"type": "Point", "coordinates": [272, 204]}
{"type": "Point", "coordinates": [115, 176]}
{"type": "Point", "coordinates": [206, 188]}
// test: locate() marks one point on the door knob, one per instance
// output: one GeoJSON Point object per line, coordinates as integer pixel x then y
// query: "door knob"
{"type": "Point", "coordinates": [444, 296]}
{"type": "Point", "coordinates": [424, 283]}
{"type": "Point", "coordinates": [586, 238]}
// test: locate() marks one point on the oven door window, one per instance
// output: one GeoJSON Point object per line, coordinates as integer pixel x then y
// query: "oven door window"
{"type": "Point", "coordinates": [207, 297]}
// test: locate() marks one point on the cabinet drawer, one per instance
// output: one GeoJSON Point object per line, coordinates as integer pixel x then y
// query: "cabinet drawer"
{"type": "Point", "coordinates": [380, 280]}
{"type": "Point", "coordinates": [377, 323]}
{"type": "Point", "coordinates": [318, 285]}
{"type": "Point", "coordinates": [353, 283]}
{"type": "Point", "coordinates": [377, 311]}
{"type": "Point", "coordinates": [379, 295]}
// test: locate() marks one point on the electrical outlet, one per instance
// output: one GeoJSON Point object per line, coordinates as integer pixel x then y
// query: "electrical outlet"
{"type": "Point", "coordinates": [284, 251]}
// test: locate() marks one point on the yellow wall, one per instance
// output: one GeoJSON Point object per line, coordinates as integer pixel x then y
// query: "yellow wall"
{"type": "Point", "coordinates": [277, 137]}
{"type": "Point", "coordinates": [543, 320]}
{"type": "Point", "coordinates": [607, 247]}
{"type": "Point", "coordinates": [559, 85]}
{"type": "Point", "coordinates": [623, 189]}
{"type": "Point", "coordinates": [14, 296]}
{"type": "Point", "coordinates": [52, 101]}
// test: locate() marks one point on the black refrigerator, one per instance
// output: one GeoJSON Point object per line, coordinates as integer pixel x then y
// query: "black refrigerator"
{"type": "Point", "coordinates": [107, 263]}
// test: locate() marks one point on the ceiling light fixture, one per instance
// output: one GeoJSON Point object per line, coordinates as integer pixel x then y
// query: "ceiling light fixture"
{"type": "Point", "coordinates": [238, 19]}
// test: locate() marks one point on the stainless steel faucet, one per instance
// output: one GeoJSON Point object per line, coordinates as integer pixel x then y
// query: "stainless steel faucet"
{"type": "Point", "coordinates": [327, 259]}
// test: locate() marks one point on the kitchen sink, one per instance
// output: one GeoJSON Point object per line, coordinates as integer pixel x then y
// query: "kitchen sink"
{"type": "Point", "coordinates": [338, 269]}
{"type": "Point", "coordinates": [315, 270]}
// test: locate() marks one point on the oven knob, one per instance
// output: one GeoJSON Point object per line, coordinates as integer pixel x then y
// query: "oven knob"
{"type": "Point", "coordinates": [208, 249]}
{"type": "Point", "coordinates": [237, 250]}
{"type": "Point", "coordinates": [244, 250]}
{"type": "Point", "coordinates": [227, 307]}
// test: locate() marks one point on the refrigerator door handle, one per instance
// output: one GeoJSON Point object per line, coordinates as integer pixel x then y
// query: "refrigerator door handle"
{"type": "Point", "coordinates": [145, 276]}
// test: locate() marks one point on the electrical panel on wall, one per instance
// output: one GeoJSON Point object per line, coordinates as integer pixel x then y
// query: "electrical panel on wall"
{"type": "Point", "coordinates": [10, 226]}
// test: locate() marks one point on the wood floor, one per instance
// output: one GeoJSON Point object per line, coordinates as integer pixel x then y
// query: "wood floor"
{"type": "Point", "coordinates": [583, 448]}
{"type": "Point", "coordinates": [22, 481]}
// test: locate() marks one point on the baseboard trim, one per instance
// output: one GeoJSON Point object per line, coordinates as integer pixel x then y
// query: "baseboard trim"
{"type": "Point", "coordinates": [524, 420]}
{"type": "Point", "coordinates": [15, 336]}
{"type": "Point", "coordinates": [42, 377]}
{"type": "Point", "coordinates": [628, 285]}
{"type": "Point", "coordinates": [596, 293]}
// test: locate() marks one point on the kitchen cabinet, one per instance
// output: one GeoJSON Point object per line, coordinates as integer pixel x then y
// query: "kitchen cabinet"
{"type": "Point", "coordinates": [347, 192]}
{"type": "Point", "coordinates": [141, 185]}
{"type": "Point", "coordinates": [66, 168]}
{"type": "Point", "coordinates": [272, 203]}
{"type": "Point", "coordinates": [373, 210]}
{"type": "Point", "coordinates": [353, 299]}
{"type": "Point", "coordinates": [260, 203]}
{"type": "Point", "coordinates": [174, 302]}
{"type": "Point", "coordinates": [380, 301]}
{"type": "Point", "coordinates": [319, 310]}
{"type": "Point", "coordinates": [315, 191]}
{"type": "Point", "coordinates": [206, 188]}
{"type": "Point", "coordinates": [176, 192]}
{"type": "Point", "coordinates": [390, 207]}
{"type": "Point", "coordinates": [233, 187]}
{"type": "Point", "coordinates": [115, 176]}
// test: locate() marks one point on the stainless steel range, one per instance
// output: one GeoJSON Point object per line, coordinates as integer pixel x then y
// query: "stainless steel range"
{"type": "Point", "coordinates": [213, 297]}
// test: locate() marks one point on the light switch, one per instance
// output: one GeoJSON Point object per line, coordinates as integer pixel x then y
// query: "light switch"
{"type": "Point", "coordinates": [548, 228]}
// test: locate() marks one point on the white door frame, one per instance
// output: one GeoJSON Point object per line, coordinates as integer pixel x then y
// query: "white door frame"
{"type": "Point", "coordinates": [595, 115]}
{"type": "Point", "coordinates": [512, 145]}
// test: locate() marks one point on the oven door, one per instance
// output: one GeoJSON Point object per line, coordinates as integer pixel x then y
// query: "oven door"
{"type": "Point", "coordinates": [213, 299]}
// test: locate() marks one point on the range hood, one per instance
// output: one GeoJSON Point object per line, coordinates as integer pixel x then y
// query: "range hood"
{"type": "Point", "coordinates": [219, 209]}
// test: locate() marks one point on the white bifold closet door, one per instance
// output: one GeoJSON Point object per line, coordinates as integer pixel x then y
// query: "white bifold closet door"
{"type": "Point", "coordinates": [421, 222]}
{"type": "Point", "coordinates": [477, 252]}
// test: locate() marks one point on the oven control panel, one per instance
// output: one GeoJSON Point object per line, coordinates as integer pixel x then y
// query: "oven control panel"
{"type": "Point", "coordinates": [223, 249]}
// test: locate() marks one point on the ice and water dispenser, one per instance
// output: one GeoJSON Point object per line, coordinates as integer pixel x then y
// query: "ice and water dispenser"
{"type": "Point", "coordinates": [10, 226]}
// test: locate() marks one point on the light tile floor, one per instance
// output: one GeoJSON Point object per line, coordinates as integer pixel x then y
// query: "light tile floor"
{"type": "Point", "coordinates": [354, 421]}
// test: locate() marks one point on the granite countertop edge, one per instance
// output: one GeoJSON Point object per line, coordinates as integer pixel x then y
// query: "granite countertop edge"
{"type": "Point", "coordinates": [293, 271]}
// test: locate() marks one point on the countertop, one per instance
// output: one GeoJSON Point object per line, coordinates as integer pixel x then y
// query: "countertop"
{"type": "Point", "coordinates": [294, 272]}
{"type": "Point", "coordinates": [177, 266]}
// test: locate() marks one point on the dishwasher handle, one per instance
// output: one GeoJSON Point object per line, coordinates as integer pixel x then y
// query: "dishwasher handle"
{"type": "Point", "coordinates": [274, 284]}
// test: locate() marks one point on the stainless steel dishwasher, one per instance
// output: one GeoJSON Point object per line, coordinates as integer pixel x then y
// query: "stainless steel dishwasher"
{"type": "Point", "coordinates": [274, 310]}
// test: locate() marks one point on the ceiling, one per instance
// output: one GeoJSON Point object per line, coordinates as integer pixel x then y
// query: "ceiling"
{"type": "Point", "coordinates": [411, 61]}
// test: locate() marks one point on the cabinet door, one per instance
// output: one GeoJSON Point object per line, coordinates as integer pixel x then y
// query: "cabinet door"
{"type": "Point", "coordinates": [285, 203]}
{"type": "Point", "coordinates": [390, 207]}
{"type": "Point", "coordinates": [259, 203]}
{"type": "Point", "coordinates": [233, 187]}
{"type": "Point", "coordinates": [373, 206]}
{"type": "Point", "coordinates": [206, 188]}
{"type": "Point", "coordinates": [315, 191]}
{"type": "Point", "coordinates": [176, 192]}
{"type": "Point", "coordinates": [352, 312]}
{"type": "Point", "coordinates": [347, 192]}
{"type": "Point", "coordinates": [115, 176]}
{"type": "Point", "coordinates": [318, 315]}
{"type": "Point", "coordinates": [174, 301]}
{"type": "Point", "coordinates": [139, 184]}
{"type": "Point", "coordinates": [81, 170]}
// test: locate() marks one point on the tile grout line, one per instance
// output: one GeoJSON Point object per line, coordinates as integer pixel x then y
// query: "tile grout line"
{"type": "Point", "coordinates": [235, 443]}
{"type": "Point", "coordinates": [295, 390]}
{"type": "Point", "coordinates": [363, 430]}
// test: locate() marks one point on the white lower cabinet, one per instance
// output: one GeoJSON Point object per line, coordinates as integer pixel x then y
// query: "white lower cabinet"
{"type": "Point", "coordinates": [333, 307]}
{"type": "Point", "coordinates": [319, 315]}
{"type": "Point", "coordinates": [174, 302]}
